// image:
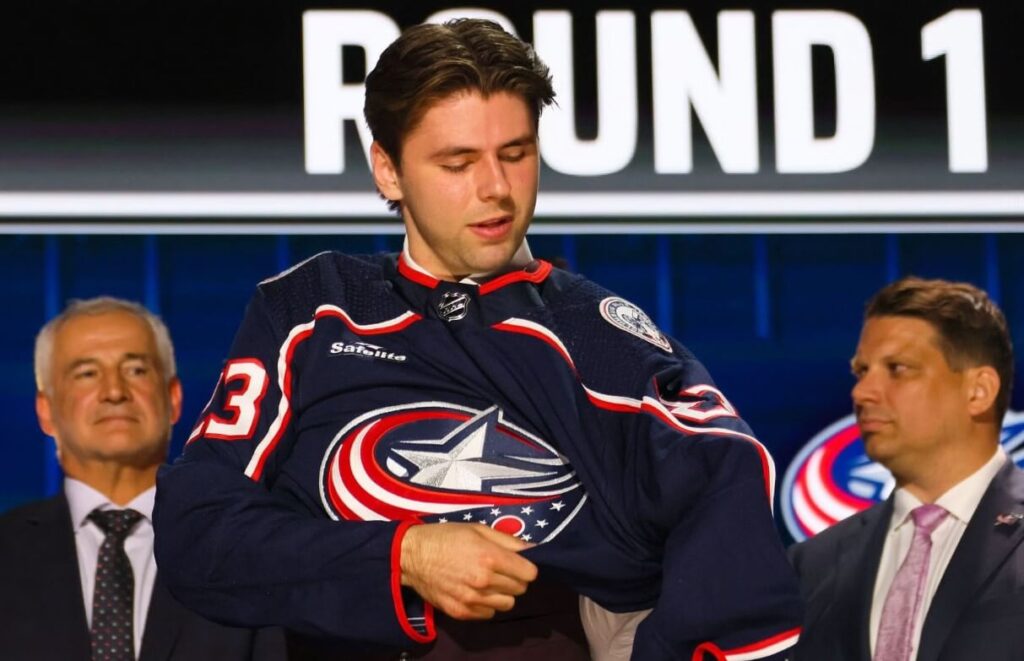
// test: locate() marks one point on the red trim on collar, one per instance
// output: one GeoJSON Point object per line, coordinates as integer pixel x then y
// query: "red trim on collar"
{"type": "Point", "coordinates": [539, 274]}
{"type": "Point", "coordinates": [418, 277]}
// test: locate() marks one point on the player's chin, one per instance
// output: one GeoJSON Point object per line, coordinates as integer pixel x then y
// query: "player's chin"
{"type": "Point", "coordinates": [489, 258]}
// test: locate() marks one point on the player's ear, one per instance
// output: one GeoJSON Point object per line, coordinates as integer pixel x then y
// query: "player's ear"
{"type": "Point", "coordinates": [385, 173]}
{"type": "Point", "coordinates": [982, 389]}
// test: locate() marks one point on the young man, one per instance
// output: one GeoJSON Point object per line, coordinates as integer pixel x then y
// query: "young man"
{"type": "Point", "coordinates": [77, 570]}
{"type": "Point", "coordinates": [394, 433]}
{"type": "Point", "coordinates": [934, 572]}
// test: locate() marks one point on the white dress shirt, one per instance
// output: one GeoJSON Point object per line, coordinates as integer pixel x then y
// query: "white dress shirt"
{"type": "Point", "coordinates": [83, 499]}
{"type": "Point", "coordinates": [960, 502]}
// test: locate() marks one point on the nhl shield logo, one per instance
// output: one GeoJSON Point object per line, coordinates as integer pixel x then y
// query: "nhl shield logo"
{"type": "Point", "coordinates": [832, 477]}
{"type": "Point", "coordinates": [436, 462]}
{"type": "Point", "coordinates": [454, 305]}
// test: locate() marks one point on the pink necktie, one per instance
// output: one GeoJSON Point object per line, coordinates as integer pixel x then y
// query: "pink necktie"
{"type": "Point", "coordinates": [896, 629]}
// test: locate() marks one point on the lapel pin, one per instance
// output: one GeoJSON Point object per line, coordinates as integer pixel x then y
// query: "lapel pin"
{"type": "Point", "coordinates": [1010, 519]}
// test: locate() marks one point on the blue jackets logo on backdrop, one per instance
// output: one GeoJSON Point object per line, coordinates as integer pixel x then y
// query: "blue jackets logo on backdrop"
{"type": "Point", "coordinates": [832, 477]}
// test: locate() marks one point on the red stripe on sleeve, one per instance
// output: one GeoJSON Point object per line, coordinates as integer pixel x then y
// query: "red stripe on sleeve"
{"type": "Point", "coordinates": [704, 649]}
{"type": "Point", "coordinates": [396, 592]}
{"type": "Point", "coordinates": [767, 642]}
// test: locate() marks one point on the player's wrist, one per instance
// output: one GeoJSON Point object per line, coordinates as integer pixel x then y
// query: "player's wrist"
{"type": "Point", "coordinates": [408, 554]}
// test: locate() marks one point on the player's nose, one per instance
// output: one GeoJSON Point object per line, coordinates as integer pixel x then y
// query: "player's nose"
{"type": "Point", "coordinates": [492, 182]}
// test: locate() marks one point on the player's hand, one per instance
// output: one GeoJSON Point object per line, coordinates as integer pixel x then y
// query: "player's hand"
{"type": "Point", "coordinates": [467, 570]}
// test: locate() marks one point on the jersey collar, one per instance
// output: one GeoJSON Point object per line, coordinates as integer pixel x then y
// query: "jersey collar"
{"type": "Point", "coordinates": [522, 267]}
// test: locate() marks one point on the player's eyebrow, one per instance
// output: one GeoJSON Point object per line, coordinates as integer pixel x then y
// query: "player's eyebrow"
{"type": "Point", "coordinates": [461, 150]}
{"type": "Point", "coordinates": [522, 141]}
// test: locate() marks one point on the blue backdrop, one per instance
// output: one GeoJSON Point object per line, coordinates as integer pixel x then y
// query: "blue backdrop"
{"type": "Point", "coordinates": [774, 317]}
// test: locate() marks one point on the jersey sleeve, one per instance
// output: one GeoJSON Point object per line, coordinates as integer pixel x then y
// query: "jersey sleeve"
{"type": "Point", "coordinates": [233, 551]}
{"type": "Point", "coordinates": [727, 592]}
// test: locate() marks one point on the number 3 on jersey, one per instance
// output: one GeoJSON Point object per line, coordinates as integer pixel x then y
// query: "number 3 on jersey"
{"type": "Point", "coordinates": [241, 402]}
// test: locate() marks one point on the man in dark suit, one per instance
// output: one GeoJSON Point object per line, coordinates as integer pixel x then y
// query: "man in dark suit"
{"type": "Point", "coordinates": [935, 573]}
{"type": "Point", "coordinates": [77, 573]}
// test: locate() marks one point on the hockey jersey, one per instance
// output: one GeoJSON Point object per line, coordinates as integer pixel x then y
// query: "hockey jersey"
{"type": "Point", "coordinates": [362, 396]}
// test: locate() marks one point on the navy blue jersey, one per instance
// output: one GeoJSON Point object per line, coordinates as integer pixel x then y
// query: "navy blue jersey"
{"type": "Point", "coordinates": [362, 396]}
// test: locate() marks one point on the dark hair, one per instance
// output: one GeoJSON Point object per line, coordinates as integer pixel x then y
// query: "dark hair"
{"type": "Point", "coordinates": [430, 62]}
{"type": "Point", "coordinates": [971, 328]}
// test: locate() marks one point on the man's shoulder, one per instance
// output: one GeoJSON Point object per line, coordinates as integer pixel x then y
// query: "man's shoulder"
{"type": "Point", "coordinates": [357, 284]}
{"type": "Point", "coordinates": [573, 289]}
{"type": "Point", "coordinates": [826, 541]}
{"type": "Point", "coordinates": [605, 326]}
{"type": "Point", "coordinates": [36, 511]}
{"type": "Point", "coordinates": [47, 519]}
{"type": "Point", "coordinates": [330, 265]}
{"type": "Point", "coordinates": [1012, 480]}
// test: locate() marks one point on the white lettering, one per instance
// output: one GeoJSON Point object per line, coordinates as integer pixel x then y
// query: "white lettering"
{"type": "Point", "coordinates": [329, 102]}
{"type": "Point", "coordinates": [685, 83]}
{"type": "Point", "coordinates": [796, 147]}
{"type": "Point", "coordinates": [958, 36]}
{"type": "Point", "coordinates": [367, 350]}
{"type": "Point", "coordinates": [613, 148]}
{"type": "Point", "coordinates": [726, 103]}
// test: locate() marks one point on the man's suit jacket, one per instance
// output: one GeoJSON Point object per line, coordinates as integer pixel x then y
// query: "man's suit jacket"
{"type": "Point", "coordinates": [42, 615]}
{"type": "Point", "coordinates": [977, 611]}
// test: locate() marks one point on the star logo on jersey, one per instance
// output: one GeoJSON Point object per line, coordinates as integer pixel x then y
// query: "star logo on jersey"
{"type": "Point", "coordinates": [832, 477]}
{"type": "Point", "coordinates": [439, 462]}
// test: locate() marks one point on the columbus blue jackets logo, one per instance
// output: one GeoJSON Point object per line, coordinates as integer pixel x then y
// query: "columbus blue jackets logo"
{"type": "Point", "coordinates": [436, 462]}
{"type": "Point", "coordinates": [624, 315]}
{"type": "Point", "coordinates": [832, 477]}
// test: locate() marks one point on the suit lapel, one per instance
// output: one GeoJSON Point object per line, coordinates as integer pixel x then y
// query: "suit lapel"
{"type": "Point", "coordinates": [51, 540]}
{"type": "Point", "coordinates": [981, 551]}
{"type": "Point", "coordinates": [859, 555]}
{"type": "Point", "coordinates": [163, 622]}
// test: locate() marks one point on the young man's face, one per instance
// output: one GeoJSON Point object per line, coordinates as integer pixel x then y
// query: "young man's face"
{"type": "Point", "coordinates": [467, 182]}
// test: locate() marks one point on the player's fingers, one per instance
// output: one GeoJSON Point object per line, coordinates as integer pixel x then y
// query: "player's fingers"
{"type": "Point", "coordinates": [467, 602]}
{"type": "Point", "coordinates": [461, 611]}
{"type": "Point", "coordinates": [507, 585]}
{"type": "Point", "coordinates": [499, 602]}
{"type": "Point", "coordinates": [504, 540]}
{"type": "Point", "coordinates": [506, 559]}
{"type": "Point", "coordinates": [486, 600]}
{"type": "Point", "coordinates": [514, 566]}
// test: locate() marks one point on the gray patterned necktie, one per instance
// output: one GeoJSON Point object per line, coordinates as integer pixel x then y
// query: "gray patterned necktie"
{"type": "Point", "coordinates": [114, 592]}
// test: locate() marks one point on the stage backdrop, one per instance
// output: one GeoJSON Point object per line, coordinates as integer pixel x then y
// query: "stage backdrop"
{"type": "Point", "coordinates": [749, 176]}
